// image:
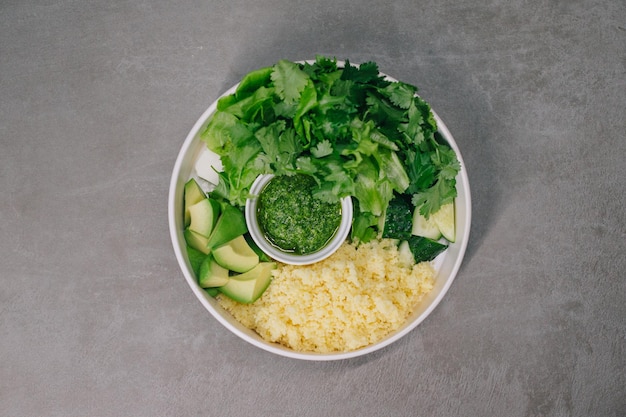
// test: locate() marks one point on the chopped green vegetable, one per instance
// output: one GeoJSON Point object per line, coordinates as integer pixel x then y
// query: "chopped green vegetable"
{"type": "Point", "coordinates": [262, 255]}
{"type": "Point", "coordinates": [195, 259]}
{"type": "Point", "coordinates": [213, 292]}
{"type": "Point", "coordinates": [425, 249]}
{"type": "Point", "coordinates": [398, 219]}
{"type": "Point", "coordinates": [356, 132]}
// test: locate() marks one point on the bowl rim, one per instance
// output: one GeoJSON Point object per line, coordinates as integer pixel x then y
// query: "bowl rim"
{"type": "Point", "coordinates": [176, 236]}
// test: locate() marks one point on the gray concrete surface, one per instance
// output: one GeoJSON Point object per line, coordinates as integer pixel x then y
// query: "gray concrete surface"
{"type": "Point", "coordinates": [96, 99]}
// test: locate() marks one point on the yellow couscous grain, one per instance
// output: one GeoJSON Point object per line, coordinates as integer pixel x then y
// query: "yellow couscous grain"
{"type": "Point", "coordinates": [352, 299]}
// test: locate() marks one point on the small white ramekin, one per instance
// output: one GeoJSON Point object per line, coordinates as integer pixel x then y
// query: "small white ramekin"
{"type": "Point", "coordinates": [287, 257]}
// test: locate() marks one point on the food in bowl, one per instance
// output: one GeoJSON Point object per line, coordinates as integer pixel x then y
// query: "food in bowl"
{"type": "Point", "coordinates": [358, 135]}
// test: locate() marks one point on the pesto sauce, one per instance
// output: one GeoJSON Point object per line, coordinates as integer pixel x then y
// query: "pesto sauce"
{"type": "Point", "coordinates": [292, 219]}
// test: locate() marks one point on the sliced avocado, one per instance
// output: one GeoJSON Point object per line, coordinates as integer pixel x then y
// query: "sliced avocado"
{"type": "Point", "coordinates": [212, 274]}
{"type": "Point", "coordinates": [262, 255]}
{"type": "Point", "coordinates": [193, 195]}
{"type": "Point", "coordinates": [230, 224]}
{"type": "Point", "coordinates": [236, 255]}
{"type": "Point", "coordinates": [196, 241]}
{"type": "Point", "coordinates": [213, 291]}
{"type": "Point", "coordinates": [195, 259]}
{"type": "Point", "coordinates": [246, 288]}
{"type": "Point", "coordinates": [204, 215]}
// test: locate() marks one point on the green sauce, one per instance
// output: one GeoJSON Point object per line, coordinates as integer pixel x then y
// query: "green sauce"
{"type": "Point", "coordinates": [292, 219]}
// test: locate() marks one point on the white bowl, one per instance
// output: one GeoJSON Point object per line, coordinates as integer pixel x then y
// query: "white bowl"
{"type": "Point", "coordinates": [446, 265]}
{"type": "Point", "coordinates": [285, 257]}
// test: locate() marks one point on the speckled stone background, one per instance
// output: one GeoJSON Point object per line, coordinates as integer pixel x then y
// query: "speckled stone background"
{"type": "Point", "coordinates": [96, 99]}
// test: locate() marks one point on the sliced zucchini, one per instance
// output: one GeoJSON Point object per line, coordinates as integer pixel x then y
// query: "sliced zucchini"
{"type": "Point", "coordinates": [444, 219]}
{"type": "Point", "coordinates": [406, 256]}
{"type": "Point", "coordinates": [398, 219]}
{"type": "Point", "coordinates": [425, 249]}
{"type": "Point", "coordinates": [424, 227]}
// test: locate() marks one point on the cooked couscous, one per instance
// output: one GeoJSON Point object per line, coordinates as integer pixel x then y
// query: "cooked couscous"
{"type": "Point", "coordinates": [352, 299]}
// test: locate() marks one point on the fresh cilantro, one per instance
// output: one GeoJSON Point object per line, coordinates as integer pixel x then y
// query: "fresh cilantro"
{"type": "Point", "coordinates": [383, 111]}
{"type": "Point", "coordinates": [336, 181]}
{"type": "Point", "coordinates": [412, 129]}
{"type": "Point", "coordinates": [421, 171]}
{"type": "Point", "coordinates": [305, 165]}
{"type": "Point", "coordinates": [289, 80]}
{"type": "Point", "coordinates": [365, 73]}
{"type": "Point", "coordinates": [268, 137]}
{"type": "Point", "coordinates": [444, 159]}
{"type": "Point", "coordinates": [357, 133]}
{"type": "Point", "coordinates": [431, 199]}
{"type": "Point", "coordinates": [400, 94]}
{"type": "Point", "coordinates": [322, 149]}
{"type": "Point", "coordinates": [289, 144]}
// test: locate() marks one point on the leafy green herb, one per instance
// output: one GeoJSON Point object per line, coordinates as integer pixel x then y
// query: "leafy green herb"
{"type": "Point", "coordinates": [357, 133]}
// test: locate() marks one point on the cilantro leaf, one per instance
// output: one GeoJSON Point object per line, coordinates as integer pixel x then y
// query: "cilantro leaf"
{"type": "Point", "coordinates": [305, 165]}
{"type": "Point", "coordinates": [430, 200]}
{"type": "Point", "coordinates": [337, 182]}
{"type": "Point", "coordinates": [322, 149]}
{"type": "Point", "coordinates": [334, 124]}
{"type": "Point", "coordinates": [289, 147]}
{"type": "Point", "coordinates": [400, 94]}
{"type": "Point", "coordinates": [326, 64]}
{"type": "Point", "coordinates": [413, 129]}
{"type": "Point", "coordinates": [367, 72]}
{"type": "Point", "coordinates": [268, 137]}
{"type": "Point", "coordinates": [445, 159]}
{"type": "Point", "coordinates": [289, 80]}
{"type": "Point", "coordinates": [383, 112]}
{"type": "Point", "coordinates": [289, 143]}
{"type": "Point", "coordinates": [421, 171]}
{"type": "Point", "coordinates": [308, 100]}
